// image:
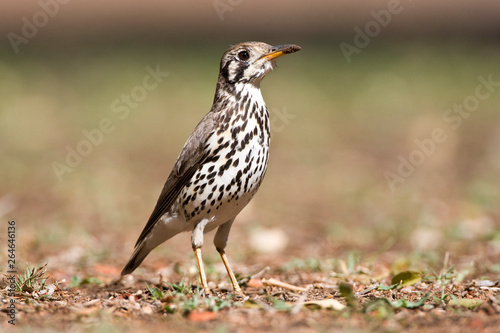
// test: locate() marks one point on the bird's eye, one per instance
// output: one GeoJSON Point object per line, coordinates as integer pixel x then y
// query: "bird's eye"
{"type": "Point", "coordinates": [243, 55]}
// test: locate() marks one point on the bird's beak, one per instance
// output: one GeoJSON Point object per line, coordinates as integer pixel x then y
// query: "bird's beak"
{"type": "Point", "coordinates": [279, 50]}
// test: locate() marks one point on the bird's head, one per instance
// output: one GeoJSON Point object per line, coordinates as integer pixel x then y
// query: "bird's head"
{"type": "Point", "coordinates": [249, 62]}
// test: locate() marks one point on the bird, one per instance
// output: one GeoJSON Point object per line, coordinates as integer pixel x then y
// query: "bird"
{"type": "Point", "coordinates": [222, 163]}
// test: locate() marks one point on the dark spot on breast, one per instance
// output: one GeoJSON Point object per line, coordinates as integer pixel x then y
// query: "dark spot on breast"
{"type": "Point", "coordinates": [235, 131]}
{"type": "Point", "coordinates": [247, 158]}
{"type": "Point", "coordinates": [244, 125]}
{"type": "Point", "coordinates": [225, 166]}
{"type": "Point", "coordinates": [247, 108]}
{"type": "Point", "coordinates": [215, 153]}
{"type": "Point", "coordinates": [245, 99]}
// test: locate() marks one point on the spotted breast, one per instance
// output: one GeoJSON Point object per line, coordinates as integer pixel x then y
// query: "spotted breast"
{"type": "Point", "coordinates": [236, 162]}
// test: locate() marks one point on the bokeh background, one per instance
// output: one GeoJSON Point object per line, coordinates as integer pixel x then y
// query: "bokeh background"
{"type": "Point", "coordinates": [342, 125]}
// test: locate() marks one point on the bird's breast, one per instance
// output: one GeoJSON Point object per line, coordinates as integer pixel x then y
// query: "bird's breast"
{"type": "Point", "coordinates": [231, 174]}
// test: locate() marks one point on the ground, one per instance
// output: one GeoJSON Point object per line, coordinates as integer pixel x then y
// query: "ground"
{"type": "Point", "coordinates": [374, 172]}
{"type": "Point", "coordinates": [313, 298]}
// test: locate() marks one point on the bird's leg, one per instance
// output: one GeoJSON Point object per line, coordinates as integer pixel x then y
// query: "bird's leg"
{"type": "Point", "coordinates": [234, 282]}
{"type": "Point", "coordinates": [197, 243]}
{"type": "Point", "coordinates": [203, 277]}
{"type": "Point", "coordinates": [220, 241]}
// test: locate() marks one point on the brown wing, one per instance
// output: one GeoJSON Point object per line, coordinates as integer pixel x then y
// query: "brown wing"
{"type": "Point", "coordinates": [192, 157]}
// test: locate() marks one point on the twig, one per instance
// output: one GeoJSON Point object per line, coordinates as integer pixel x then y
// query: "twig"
{"type": "Point", "coordinates": [369, 289]}
{"type": "Point", "coordinates": [277, 283]}
{"type": "Point", "coordinates": [256, 275]}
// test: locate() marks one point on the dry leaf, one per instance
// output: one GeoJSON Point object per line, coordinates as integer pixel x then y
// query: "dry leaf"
{"type": "Point", "coordinates": [328, 303]}
{"type": "Point", "coordinates": [469, 303]}
{"type": "Point", "coordinates": [406, 278]}
{"type": "Point", "coordinates": [255, 283]}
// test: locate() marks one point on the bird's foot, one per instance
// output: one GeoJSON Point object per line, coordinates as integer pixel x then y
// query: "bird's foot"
{"type": "Point", "coordinates": [240, 296]}
{"type": "Point", "coordinates": [206, 292]}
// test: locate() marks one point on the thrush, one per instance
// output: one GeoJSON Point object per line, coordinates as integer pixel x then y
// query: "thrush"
{"type": "Point", "coordinates": [223, 162]}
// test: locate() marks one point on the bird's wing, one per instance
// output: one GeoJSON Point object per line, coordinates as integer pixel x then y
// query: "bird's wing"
{"type": "Point", "coordinates": [190, 159]}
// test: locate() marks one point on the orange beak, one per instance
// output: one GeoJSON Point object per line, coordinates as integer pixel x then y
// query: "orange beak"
{"type": "Point", "coordinates": [279, 50]}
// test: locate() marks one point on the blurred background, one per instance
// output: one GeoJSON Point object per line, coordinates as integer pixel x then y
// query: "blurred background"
{"type": "Point", "coordinates": [386, 127]}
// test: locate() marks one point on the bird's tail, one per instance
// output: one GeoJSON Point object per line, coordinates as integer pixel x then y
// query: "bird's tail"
{"type": "Point", "coordinates": [140, 252]}
{"type": "Point", "coordinates": [162, 231]}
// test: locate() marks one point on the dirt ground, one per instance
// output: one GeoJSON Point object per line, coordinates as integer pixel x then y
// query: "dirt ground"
{"type": "Point", "coordinates": [310, 301]}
